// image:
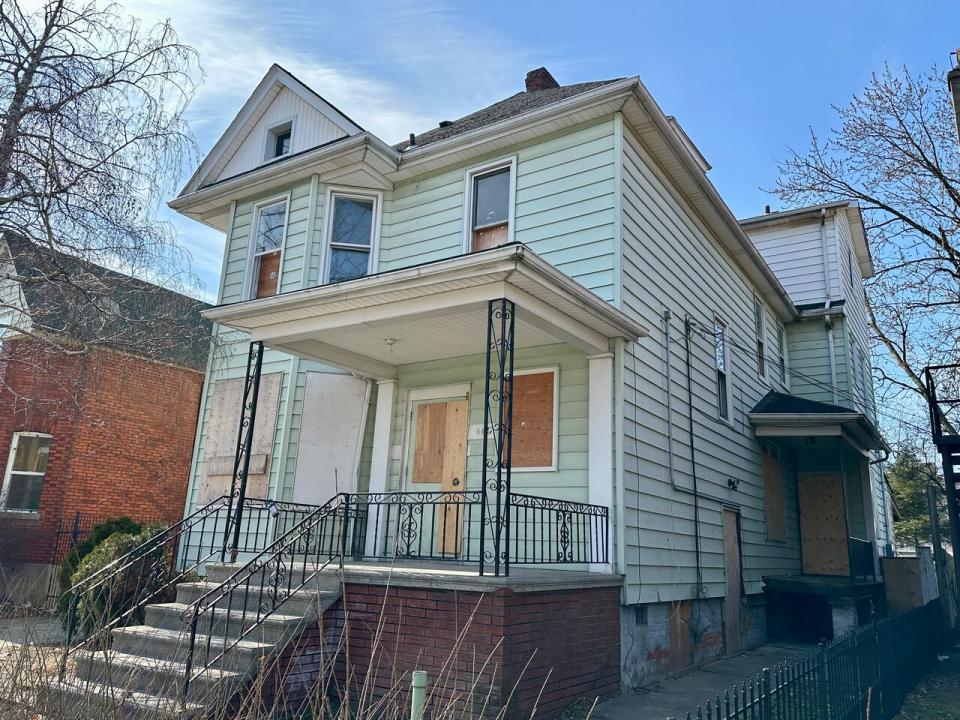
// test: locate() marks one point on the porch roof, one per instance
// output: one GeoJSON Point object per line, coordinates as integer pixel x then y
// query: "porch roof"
{"type": "Point", "coordinates": [779, 415]}
{"type": "Point", "coordinates": [433, 311]}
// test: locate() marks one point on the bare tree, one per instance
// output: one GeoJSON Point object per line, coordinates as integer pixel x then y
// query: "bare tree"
{"type": "Point", "coordinates": [895, 152]}
{"type": "Point", "coordinates": [92, 137]}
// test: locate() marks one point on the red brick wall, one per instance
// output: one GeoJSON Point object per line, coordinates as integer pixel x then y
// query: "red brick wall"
{"type": "Point", "coordinates": [480, 647]}
{"type": "Point", "coordinates": [122, 428]}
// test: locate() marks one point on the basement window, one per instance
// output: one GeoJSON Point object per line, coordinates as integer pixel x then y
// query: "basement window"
{"type": "Point", "coordinates": [26, 469]}
{"type": "Point", "coordinates": [270, 226]}
{"type": "Point", "coordinates": [489, 205]}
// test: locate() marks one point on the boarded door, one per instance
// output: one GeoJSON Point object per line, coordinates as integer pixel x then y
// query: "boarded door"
{"type": "Point", "coordinates": [331, 432]}
{"type": "Point", "coordinates": [734, 582]}
{"type": "Point", "coordinates": [823, 524]}
{"type": "Point", "coordinates": [440, 457]}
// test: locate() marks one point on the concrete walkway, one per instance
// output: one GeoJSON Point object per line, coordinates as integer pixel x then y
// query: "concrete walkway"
{"type": "Point", "coordinates": [675, 697]}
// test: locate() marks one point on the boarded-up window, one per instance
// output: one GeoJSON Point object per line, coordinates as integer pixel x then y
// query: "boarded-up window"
{"type": "Point", "coordinates": [773, 496]}
{"type": "Point", "coordinates": [534, 419]}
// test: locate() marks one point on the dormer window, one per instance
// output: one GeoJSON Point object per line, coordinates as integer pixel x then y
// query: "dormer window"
{"type": "Point", "coordinates": [279, 140]}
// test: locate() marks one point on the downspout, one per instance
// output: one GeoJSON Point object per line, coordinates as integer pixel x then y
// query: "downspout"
{"type": "Point", "coordinates": [687, 329]}
{"type": "Point", "coordinates": [671, 470]}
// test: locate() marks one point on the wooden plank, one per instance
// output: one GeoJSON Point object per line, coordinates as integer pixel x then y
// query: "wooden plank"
{"type": "Point", "coordinates": [429, 442]}
{"type": "Point", "coordinates": [823, 524]}
{"type": "Point", "coordinates": [734, 583]}
{"type": "Point", "coordinates": [533, 431]}
{"type": "Point", "coordinates": [454, 465]}
{"type": "Point", "coordinates": [773, 507]}
{"type": "Point", "coordinates": [490, 237]}
{"type": "Point", "coordinates": [268, 274]}
{"type": "Point", "coordinates": [681, 648]}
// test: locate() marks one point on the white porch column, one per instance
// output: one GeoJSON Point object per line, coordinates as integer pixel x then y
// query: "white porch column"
{"type": "Point", "coordinates": [600, 454]}
{"type": "Point", "coordinates": [380, 456]}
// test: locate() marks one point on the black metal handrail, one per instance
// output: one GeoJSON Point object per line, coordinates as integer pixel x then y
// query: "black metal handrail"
{"type": "Point", "coordinates": [547, 531]}
{"type": "Point", "coordinates": [938, 407]}
{"type": "Point", "coordinates": [266, 581]}
{"type": "Point", "coordinates": [154, 567]}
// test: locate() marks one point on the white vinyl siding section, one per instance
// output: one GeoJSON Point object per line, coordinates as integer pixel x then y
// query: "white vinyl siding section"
{"type": "Point", "coordinates": [667, 257]}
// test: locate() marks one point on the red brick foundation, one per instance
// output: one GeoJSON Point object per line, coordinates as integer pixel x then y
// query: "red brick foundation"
{"type": "Point", "coordinates": [482, 650]}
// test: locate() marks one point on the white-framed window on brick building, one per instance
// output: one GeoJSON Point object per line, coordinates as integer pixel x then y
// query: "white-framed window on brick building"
{"type": "Point", "coordinates": [26, 469]}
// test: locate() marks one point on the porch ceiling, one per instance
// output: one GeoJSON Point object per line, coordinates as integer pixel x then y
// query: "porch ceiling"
{"type": "Point", "coordinates": [433, 311]}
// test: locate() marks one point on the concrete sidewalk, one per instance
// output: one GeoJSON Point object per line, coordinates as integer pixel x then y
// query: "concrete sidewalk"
{"type": "Point", "coordinates": [675, 697]}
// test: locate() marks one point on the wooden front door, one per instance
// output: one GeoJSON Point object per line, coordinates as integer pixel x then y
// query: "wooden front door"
{"type": "Point", "coordinates": [440, 458]}
{"type": "Point", "coordinates": [734, 582]}
{"type": "Point", "coordinates": [823, 524]}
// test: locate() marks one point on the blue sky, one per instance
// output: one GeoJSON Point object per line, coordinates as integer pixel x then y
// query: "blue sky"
{"type": "Point", "coordinates": [746, 79]}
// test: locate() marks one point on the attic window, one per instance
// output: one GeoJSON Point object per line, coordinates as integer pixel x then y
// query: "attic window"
{"type": "Point", "coordinates": [279, 140]}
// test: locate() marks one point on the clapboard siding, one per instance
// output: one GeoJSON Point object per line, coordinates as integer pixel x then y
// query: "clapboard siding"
{"type": "Point", "coordinates": [795, 253]}
{"type": "Point", "coordinates": [310, 129]}
{"type": "Point", "coordinates": [670, 262]}
{"type": "Point", "coordinates": [565, 200]}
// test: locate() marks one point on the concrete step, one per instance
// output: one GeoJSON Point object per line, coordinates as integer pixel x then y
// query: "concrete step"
{"type": "Point", "coordinates": [164, 644]}
{"type": "Point", "coordinates": [275, 629]}
{"type": "Point", "coordinates": [326, 579]}
{"type": "Point", "coordinates": [298, 602]}
{"type": "Point", "coordinates": [73, 698]}
{"type": "Point", "coordinates": [155, 677]}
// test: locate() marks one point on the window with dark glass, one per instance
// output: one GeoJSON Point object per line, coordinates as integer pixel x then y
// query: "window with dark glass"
{"type": "Point", "coordinates": [271, 222]}
{"type": "Point", "coordinates": [351, 238]}
{"type": "Point", "coordinates": [26, 469]}
{"type": "Point", "coordinates": [281, 145]}
{"type": "Point", "coordinates": [720, 361]}
{"type": "Point", "coordinates": [782, 348]}
{"type": "Point", "coordinates": [491, 209]}
{"type": "Point", "coordinates": [761, 333]}
{"type": "Point", "coordinates": [279, 141]}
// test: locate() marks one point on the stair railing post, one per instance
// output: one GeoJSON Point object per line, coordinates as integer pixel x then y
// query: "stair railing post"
{"type": "Point", "coordinates": [71, 629]}
{"type": "Point", "coordinates": [241, 460]}
{"type": "Point", "coordinates": [188, 663]}
{"type": "Point", "coordinates": [764, 695]}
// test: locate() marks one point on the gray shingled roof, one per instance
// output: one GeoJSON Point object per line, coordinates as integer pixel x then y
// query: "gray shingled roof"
{"type": "Point", "coordinates": [776, 403]}
{"type": "Point", "coordinates": [512, 106]}
{"type": "Point", "coordinates": [93, 305]}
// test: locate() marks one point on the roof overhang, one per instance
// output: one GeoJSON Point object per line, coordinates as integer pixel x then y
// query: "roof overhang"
{"type": "Point", "coordinates": [434, 311]}
{"type": "Point", "coordinates": [854, 427]}
{"type": "Point", "coordinates": [851, 210]}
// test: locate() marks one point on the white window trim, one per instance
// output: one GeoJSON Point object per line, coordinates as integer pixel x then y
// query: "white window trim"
{"type": "Point", "coordinates": [268, 135]}
{"type": "Point", "coordinates": [459, 391]}
{"type": "Point", "coordinates": [468, 177]}
{"type": "Point", "coordinates": [719, 320]}
{"type": "Point", "coordinates": [248, 282]}
{"type": "Point", "coordinates": [784, 351]}
{"type": "Point", "coordinates": [761, 336]}
{"type": "Point", "coordinates": [14, 444]}
{"type": "Point", "coordinates": [333, 192]}
{"type": "Point", "coordinates": [555, 369]}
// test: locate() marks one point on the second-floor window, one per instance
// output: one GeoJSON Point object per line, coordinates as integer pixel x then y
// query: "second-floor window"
{"type": "Point", "coordinates": [721, 361]}
{"type": "Point", "coordinates": [760, 329]}
{"type": "Point", "coordinates": [351, 235]}
{"type": "Point", "coordinates": [782, 348]}
{"type": "Point", "coordinates": [489, 204]}
{"type": "Point", "coordinates": [269, 228]}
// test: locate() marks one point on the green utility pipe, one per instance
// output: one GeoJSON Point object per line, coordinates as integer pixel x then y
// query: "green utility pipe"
{"type": "Point", "coordinates": [418, 692]}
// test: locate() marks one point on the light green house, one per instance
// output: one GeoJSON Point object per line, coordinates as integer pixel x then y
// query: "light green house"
{"type": "Point", "coordinates": [690, 404]}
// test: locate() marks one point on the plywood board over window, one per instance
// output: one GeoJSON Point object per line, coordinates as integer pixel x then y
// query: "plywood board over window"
{"type": "Point", "coordinates": [221, 438]}
{"type": "Point", "coordinates": [823, 524]}
{"type": "Point", "coordinates": [774, 511]}
{"type": "Point", "coordinates": [534, 420]}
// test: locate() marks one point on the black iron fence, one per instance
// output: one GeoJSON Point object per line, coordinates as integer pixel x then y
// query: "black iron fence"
{"type": "Point", "coordinates": [864, 675]}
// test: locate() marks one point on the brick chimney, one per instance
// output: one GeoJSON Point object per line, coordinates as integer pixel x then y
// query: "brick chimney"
{"type": "Point", "coordinates": [540, 79]}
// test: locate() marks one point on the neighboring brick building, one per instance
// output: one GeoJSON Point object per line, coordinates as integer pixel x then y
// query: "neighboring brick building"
{"type": "Point", "coordinates": [100, 381]}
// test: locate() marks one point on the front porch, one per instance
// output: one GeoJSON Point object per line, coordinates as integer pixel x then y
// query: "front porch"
{"type": "Point", "coordinates": [840, 585]}
{"type": "Point", "coordinates": [490, 436]}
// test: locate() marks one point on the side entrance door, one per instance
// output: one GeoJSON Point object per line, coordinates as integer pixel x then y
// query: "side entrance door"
{"type": "Point", "coordinates": [439, 458]}
{"type": "Point", "coordinates": [823, 524]}
{"type": "Point", "coordinates": [734, 581]}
